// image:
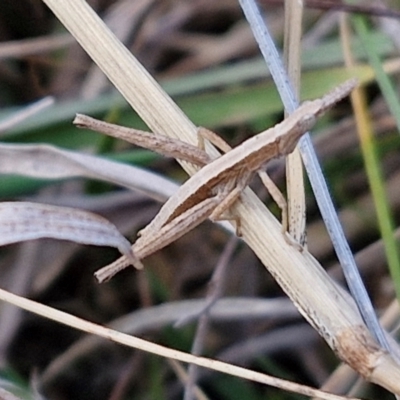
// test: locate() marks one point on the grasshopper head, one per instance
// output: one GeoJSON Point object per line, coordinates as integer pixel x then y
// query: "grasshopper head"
{"type": "Point", "coordinates": [288, 142]}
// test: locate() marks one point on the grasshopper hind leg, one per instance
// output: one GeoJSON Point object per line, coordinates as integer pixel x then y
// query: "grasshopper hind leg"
{"type": "Point", "coordinates": [280, 200]}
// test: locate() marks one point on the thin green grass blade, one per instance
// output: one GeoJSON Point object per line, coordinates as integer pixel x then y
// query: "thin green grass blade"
{"type": "Point", "coordinates": [371, 161]}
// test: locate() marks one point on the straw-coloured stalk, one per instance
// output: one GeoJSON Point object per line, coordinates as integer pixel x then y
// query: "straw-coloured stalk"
{"type": "Point", "coordinates": [326, 307]}
{"type": "Point", "coordinates": [137, 343]}
{"type": "Point", "coordinates": [296, 197]}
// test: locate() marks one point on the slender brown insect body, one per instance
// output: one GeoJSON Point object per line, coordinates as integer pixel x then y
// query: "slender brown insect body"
{"type": "Point", "coordinates": [216, 186]}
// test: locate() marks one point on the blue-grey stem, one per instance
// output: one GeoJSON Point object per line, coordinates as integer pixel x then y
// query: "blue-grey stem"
{"type": "Point", "coordinates": [316, 177]}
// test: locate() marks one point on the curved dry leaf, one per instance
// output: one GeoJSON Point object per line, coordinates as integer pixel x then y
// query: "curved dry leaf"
{"type": "Point", "coordinates": [49, 162]}
{"type": "Point", "coordinates": [20, 221]}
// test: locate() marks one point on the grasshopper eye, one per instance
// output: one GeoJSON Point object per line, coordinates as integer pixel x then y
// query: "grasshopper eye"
{"type": "Point", "coordinates": [287, 143]}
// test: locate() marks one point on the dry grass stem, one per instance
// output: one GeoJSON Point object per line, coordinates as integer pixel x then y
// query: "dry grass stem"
{"type": "Point", "coordinates": [294, 166]}
{"type": "Point", "coordinates": [131, 341]}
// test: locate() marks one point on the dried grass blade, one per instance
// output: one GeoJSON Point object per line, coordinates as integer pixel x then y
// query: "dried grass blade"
{"type": "Point", "coordinates": [21, 221]}
{"type": "Point", "coordinates": [137, 343]}
{"type": "Point", "coordinates": [49, 162]}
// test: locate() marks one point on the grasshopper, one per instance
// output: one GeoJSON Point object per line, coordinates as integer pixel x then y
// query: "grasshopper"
{"type": "Point", "coordinates": [213, 190]}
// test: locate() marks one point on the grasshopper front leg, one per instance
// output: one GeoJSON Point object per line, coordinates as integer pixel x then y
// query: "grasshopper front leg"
{"type": "Point", "coordinates": [154, 240]}
{"type": "Point", "coordinates": [230, 193]}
